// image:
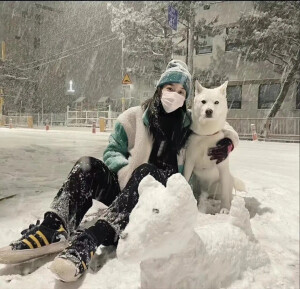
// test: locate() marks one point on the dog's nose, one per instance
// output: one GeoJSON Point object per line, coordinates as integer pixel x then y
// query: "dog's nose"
{"type": "Point", "coordinates": [209, 112]}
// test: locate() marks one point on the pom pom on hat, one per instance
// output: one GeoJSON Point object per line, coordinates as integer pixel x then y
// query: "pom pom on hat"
{"type": "Point", "coordinates": [176, 72]}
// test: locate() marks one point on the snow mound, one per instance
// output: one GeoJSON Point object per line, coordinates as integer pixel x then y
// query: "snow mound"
{"type": "Point", "coordinates": [183, 248]}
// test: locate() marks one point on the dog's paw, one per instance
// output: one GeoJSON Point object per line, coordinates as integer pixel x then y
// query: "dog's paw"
{"type": "Point", "coordinates": [224, 211]}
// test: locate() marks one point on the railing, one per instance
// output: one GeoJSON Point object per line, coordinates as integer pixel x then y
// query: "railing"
{"type": "Point", "coordinates": [281, 128]}
{"type": "Point", "coordinates": [86, 118]}
{"type": "Point", "coordinates": [15, 120]}
{"type": "Point", "coordinates": [287, 128]}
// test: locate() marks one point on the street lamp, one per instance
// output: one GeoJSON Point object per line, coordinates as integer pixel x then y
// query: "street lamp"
{"type": "Point", "coordinates": [70, 92]}
{"type": "Point", "coordinates": [71, 87]}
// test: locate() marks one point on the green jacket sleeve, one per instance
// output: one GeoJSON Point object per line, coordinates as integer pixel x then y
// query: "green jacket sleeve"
{"type": "Point", "coordinates": [116, 153]}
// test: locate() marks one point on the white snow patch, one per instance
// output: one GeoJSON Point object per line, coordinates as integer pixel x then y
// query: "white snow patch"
{"type": "Point", "coordinates": [34, 163]}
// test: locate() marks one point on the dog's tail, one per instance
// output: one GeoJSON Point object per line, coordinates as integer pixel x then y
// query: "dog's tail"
{"type": "Point", "coordinates": [239, 185]}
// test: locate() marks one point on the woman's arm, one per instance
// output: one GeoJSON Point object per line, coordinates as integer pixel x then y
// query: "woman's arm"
{"type": "Point", "coordinates": [116, 153]}
{"type": "Point", "coordinates": [224, 146]}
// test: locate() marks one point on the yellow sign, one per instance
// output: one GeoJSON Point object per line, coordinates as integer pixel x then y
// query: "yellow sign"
{"type": "Point", "coordinates": [126, 79]}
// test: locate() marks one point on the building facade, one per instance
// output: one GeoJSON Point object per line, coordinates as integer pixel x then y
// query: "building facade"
{"type": "Point", "coordinates": [253, 87]}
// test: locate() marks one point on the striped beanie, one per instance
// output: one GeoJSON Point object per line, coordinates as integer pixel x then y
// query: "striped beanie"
{"type": "Point", "coordinates": [176, 72]}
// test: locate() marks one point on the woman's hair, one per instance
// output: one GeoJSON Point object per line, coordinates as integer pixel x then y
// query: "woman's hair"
{"type": "Point", "coordinates": [155, 109]}
{"type": "Point", "coordinates": [149, 103]}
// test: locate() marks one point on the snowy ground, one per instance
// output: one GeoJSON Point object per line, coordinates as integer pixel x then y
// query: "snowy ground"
{"type": "Point", "coordinates": [34, 164]}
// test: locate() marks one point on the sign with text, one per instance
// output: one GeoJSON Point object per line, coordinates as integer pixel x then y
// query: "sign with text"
{"type": "Point", "coordinates": [172, 17]}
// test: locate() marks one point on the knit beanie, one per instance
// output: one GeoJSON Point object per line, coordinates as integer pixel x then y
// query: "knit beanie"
{"type": "Point", "coordinates": [176, 72]}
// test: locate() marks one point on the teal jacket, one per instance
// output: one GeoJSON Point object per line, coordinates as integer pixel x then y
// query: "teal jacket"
{"type": "Point", "coordinates": [130, 139]}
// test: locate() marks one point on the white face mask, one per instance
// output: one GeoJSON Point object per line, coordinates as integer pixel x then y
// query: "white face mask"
{"type": "Point", "coordinates": [171, 100]}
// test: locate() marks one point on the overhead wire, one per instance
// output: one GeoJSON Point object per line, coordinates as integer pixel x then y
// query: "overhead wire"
{"type": "Point", "coordinates": [62, 52]}
{"type": "Point", "coordinates": [65, 56]}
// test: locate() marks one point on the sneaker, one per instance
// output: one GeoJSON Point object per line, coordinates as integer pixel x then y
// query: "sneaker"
{"type": "Point", "coordinates": [36, 241]}
{"type": "Point", "coordinates": [73, 261]}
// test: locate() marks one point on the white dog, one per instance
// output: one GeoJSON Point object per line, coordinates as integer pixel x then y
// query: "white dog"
{"type": "Point", "coordinates": [209, 113]}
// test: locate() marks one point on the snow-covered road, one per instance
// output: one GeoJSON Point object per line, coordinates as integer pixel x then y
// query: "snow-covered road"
{"type": "Point", "coordinates": [34, 164]}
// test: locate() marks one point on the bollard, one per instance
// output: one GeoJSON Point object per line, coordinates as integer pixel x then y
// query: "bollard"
{"type": "Point", "coordinates": [253, 130]}
{"type": "Point", "coordinates": [30, 121]}
{"type": "Point", "coordinates": [102, 124]}
{"type": "Point", "coordinates": [94, 127]}
{"type": "Point", "coordinates": [47, 124]}
{"type": "Point", "coordinates": [10, 123]}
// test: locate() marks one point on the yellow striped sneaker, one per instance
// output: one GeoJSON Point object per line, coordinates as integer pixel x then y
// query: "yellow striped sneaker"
{"type": "Point", "coordinates": [73, 261]}
{"type": "Point", "coordinates": [36, 241]}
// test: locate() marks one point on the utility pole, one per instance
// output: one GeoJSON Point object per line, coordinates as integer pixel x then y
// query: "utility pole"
{"type": "Point", "coordinates": [122, 71]}
{"type": "Point", "coordinates": [191, 30]}
{"type": "Point", "coordinates": [190, 56]}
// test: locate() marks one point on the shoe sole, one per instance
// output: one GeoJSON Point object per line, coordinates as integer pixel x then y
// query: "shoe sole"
{"type": "Point", "coordinates": [64, 270]}
{"type": "Point", "coordinates": [9, 256]}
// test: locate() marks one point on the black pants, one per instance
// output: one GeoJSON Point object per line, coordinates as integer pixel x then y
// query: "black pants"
{"type": "Point", "coordinates": [91, 179]}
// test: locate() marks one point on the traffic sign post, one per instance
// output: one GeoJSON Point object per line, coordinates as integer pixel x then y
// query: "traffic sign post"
{"type": "Point", "coordinates": [125, 85]}
{"type": "Point", "coordinates": [126, 79]}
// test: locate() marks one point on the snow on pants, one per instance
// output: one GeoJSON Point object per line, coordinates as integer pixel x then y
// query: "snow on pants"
{"type": "Point", "coordinates": [91, 179]}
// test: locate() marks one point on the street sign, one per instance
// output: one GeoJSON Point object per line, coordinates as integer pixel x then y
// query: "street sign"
{"type": "Point", "coordinates": [126, 79]}
{"type": "Point", "coordinates": [172, 17]}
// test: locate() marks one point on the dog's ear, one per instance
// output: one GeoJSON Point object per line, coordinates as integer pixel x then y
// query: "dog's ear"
{"type": "Point", "coordinates": [198, 87]}
{"type": "Point", "coordinates": [223, 87]}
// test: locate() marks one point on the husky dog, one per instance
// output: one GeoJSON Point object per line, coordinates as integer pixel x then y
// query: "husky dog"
{"type": "Point", "coordinates": [209, 113]}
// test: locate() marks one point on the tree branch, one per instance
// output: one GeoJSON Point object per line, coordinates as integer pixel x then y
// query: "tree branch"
{"type": "Point", "coordinates": [13, 77]}
{"type": "Point", "coordinates": [278, 56]}
{"type": "Point", "coordinates": [277, 64]}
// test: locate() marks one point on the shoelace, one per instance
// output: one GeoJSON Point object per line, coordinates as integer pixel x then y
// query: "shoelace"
{"type": "Point", "coordinates": [31, 229]}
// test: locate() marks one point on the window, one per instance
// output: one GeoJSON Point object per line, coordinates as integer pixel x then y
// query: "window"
{"type": "Point", "coordinates": [36, 42]}
{"type": "Point", "coordinates": [234, 97]}
{"type": "Point", "coordinates": [231, 43]}
{"type": "Point", "coordinates": [267, 95]}
{"type": "Point", "coordinates": [203, 45]}
{"type": "Point", "coordinates": [298, 96]}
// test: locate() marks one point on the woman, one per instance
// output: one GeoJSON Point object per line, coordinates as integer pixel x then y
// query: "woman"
{"type": "Point", "coordinates": [147, 140]}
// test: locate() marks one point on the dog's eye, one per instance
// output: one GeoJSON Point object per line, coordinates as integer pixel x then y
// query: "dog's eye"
{"type": "Point", "coordinates": [216, 102]}
{"type": "Point", "coordinates": [203, 101]}
{"type": "Point", "coordinates": [155, 211]}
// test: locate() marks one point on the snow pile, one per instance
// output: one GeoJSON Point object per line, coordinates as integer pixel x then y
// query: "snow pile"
{"type": "Point", "coordinates": [160, 214]}
{"type": "Point", "coordinates": [167, 235]}
{"type": "Point", "coordinates": [34, 163]}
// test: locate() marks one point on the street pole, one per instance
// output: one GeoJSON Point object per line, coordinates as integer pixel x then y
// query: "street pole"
{"type": "Point", "coordinates": [122, 58]}
{"type": "Point", "coordinates": [122, 71]}
{"type": "Point", "coordinates": [42, 112]}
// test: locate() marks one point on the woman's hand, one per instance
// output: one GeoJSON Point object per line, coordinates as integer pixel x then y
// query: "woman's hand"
{"type": "Point", "coordinates": [221, 151]}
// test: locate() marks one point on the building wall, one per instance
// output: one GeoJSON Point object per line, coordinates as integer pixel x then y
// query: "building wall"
{"type": "Point", "coordinates": [248, 74]}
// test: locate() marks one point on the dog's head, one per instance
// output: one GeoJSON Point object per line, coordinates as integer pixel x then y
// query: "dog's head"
{"type": "Point", "coordinates": [209, 108]}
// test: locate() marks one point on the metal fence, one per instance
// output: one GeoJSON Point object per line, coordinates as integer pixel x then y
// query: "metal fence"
{"type": "Point", "coordinates": [287, 128]}
{"type": "Point", "coordinates": [86, 118]}
{"type": "Point", "coordinates": [281, 128]}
